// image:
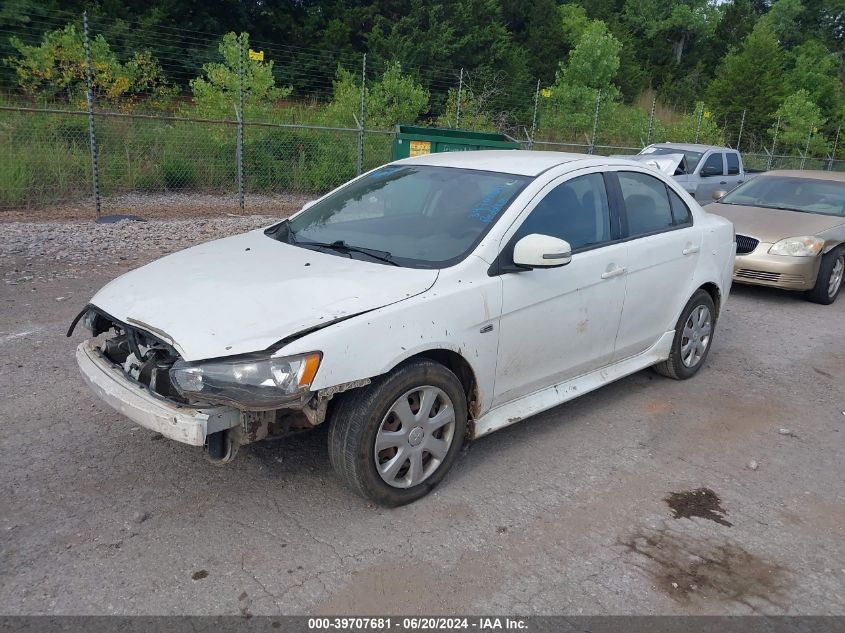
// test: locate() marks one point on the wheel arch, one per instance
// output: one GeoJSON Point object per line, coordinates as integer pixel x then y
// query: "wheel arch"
{"type": "Point", "coordinates": [713, 290]}
{"type": "Point", "coordinates": [459, 366]}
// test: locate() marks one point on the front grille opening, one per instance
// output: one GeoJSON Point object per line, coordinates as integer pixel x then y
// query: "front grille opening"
{"type": "Point", "coordinates": [745, 244]}
{"type": "Point", "coordinates": [143, 358]}
{"type": "Point", "coordinates": [759, 275]}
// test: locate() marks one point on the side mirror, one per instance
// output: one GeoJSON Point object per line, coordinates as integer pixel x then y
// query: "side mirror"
{"type": "Point", "coordinates": [719, 193]}
{"type": "Point", "coordinates": [541, 251]}
{"type": "Point", "coordinates": [707, 172]}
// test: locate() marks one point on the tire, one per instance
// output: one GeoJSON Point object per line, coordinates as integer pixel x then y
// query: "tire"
{"type": "Point", "coordinates": [830, 279]}
{"type": "Point", "coordinates": [363, 415]}
{"type": "Point", "coordinates": [689, 352]}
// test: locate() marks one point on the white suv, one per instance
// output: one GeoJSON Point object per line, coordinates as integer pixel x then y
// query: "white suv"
{"type": "Point", "coordinates": [432, 300]}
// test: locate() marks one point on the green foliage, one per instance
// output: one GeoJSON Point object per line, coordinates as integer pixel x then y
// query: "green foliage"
{"type": "Point", "coordinates": [474, 115]}
{"type": "Point", "coordinates": [783, 20]}
{"type": "Point", "coordinates": [591, 68]}
{"type": "Point", "coordinates": [800, 119]}
{"type": "Point", "coordinates": [395, 98]}
{"type": "Point", "coordinates": [57, 68]}
{"type": "Point", "coordinates": [750, 80]}
{"type": "Point", "coordinates": [177, 173]}
{"type": "Point", "coordinates": [679, 21]}
{"type": "Point", "coordinates": [816, 71]}
{"type": "Point", "coordinates": [698, 126]}
{"type": "Point", "coordinates": [594, 61]}
{"type": "Point", "coordinates": [217, 92]}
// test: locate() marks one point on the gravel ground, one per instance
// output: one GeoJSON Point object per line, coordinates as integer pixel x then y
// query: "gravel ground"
{"type": "Point", "coordinates": [161, 206]}
{"type": "Point", "coordinates": [720, 495]}
{"type": "Point", "coordinates": [42, 250]}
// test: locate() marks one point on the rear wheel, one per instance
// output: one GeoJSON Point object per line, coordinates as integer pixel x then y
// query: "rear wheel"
{"type": "Point", "coordinates": [394, 440]}
{"type": "Point", "coordinates": [829, 281]}
{"type": "Point", "coordinates": [693, 336]}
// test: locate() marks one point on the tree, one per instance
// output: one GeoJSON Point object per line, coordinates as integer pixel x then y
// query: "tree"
{"type": "Point", "coordinates": [800, 120]}
{"type": "Point", "coordinates": [751, 80]}
{"type": "Point", "coordinates": [591, 67]}
{"type": "Point", "coordinates": [57, 67]}
{"type": "Point", "coordinates": [394, 98]}
{"type": "Point", "coordinates": [536, 27]}
{"type": "Point", "coordinates": [217, 93]}
{"type": "Point", "coordinates": [784, 21]}
{"type": "Point", "coordinates": [679, 21]}
{"type": "Point", "coordinates": [816, 71]}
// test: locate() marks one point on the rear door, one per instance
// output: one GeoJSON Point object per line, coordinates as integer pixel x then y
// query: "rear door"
{"type": "Point", "coordinates": [734, 170]}
{"type": "Point", "coordinates": [663, 251]}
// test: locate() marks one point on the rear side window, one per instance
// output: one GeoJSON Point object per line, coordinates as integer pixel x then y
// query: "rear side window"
{"type": "Point", "coordinates": [680, 211]}
{"type": "Point", "coordinates": [733, 163]}
{"type": "Point", "coordinates": [646, 203]}
{"type": "Point", "coordinates": [575, 211]}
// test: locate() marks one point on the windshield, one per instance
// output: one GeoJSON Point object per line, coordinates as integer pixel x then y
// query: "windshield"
{"type": "Point", "coordinates": [411, 215]}
{"type": "Point", "coordinates": [691, 158]}
{"type": "Point", "coordinates": [826, 197]}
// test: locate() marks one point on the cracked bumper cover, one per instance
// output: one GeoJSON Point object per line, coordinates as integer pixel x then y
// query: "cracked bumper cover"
{"type": "Point", "coordinates": [181, 423]}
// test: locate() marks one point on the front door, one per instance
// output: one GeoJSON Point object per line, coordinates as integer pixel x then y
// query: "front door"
{"type": "Point", "coordinates": [558, 323]}
{"type": "Point", "coordinates": [711, 178]}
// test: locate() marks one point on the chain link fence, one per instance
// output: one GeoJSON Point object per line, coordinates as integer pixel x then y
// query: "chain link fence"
{"type": "Point", "coordinates": [239, 134]}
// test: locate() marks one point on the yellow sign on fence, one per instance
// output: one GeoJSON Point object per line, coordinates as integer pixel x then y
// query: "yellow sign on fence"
{"type": "Point", "coordinates": [257, 56]}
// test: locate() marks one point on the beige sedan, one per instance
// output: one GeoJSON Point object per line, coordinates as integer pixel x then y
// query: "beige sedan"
{"type": "Point", "coordinates": [790, 231]}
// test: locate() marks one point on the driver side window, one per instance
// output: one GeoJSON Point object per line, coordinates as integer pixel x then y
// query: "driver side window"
{"type": "Point", "coordinates": [713, 166]}
{"type": "Point", "coordinates": [576, 211]}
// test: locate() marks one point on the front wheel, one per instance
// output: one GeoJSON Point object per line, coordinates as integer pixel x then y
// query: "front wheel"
{"type": "Point", "coordinates": [693, 337]}
{"type": "Point", "coordinates": [829, 281]}
{"type": "Point", "coordinates": [394, 440]}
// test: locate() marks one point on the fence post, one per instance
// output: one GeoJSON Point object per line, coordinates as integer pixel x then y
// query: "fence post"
{"type": "Point", "coordinates": [774, 142]}
{"type": "Point", "coordinates": [460, 90]}
{"type": "Point", "coordinates": [240, 113]}
{"type": "Point", "coordinates": [595, 123]}
{"type": "Point", "coordinates": [807, 145]}
{"type": "Point", "coordinates": [92, 134]}
{"type": "Point", "coordinates": [833, 152]}
{"type": "Point", "coordinates": [360, 163]}
{"type": "Point", "coordinates": [698, 126]}
{"type": "Point", "coordinates": [741, 126]}
{"type": "Point", "coordinates": [651, 121]}
{"type": "Point", "coordinates": [534, 119]}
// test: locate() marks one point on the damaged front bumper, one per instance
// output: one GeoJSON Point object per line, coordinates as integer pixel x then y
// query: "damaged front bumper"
{"type": "Point", "coordinates": [177, 422]}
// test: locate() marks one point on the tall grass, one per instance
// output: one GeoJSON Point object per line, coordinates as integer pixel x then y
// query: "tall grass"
{"type": "Point", "coordinates": [46, 157]}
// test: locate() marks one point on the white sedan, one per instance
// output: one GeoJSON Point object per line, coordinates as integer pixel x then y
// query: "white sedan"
{"type": "Point", "coordinates": [432, 300]}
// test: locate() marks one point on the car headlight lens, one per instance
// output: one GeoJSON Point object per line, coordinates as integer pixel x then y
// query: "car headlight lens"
{"type": "Point", "coordinates": [252, 381]}
{"type": "Point", "coordinates": [806, 246]}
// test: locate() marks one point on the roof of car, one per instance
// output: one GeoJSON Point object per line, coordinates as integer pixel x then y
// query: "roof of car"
{"type": "Point", "coordinates": [519, 162]}
{"type": "Point", "coordinates": [695, 147]}
{"type": "Point", "coordinates": [838, 176]}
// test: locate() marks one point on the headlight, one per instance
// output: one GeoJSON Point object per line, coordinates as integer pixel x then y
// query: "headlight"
{"type": "Point", "coordinates": [806, 246]}
{"type": "Point", "coordinates": [252, 381]}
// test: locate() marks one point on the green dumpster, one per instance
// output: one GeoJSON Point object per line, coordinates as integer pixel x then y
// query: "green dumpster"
{"type": "Point", "coordinates": [411, 140]}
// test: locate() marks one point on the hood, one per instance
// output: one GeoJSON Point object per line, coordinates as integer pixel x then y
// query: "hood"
{"type": "Point", "coordinates": [666, 163]}
{"type": "Point", "coordinates": [772, 225]}
{"type": "Point", "coordinates": [245, 293]}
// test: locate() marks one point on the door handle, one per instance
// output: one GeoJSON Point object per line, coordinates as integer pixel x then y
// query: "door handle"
{"type": "Point", "coordinates": [723, 182]}
{"type": "Point", "coordinates": [613, 272]}
{"type": "Point", "coordinates": [691, 250]}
